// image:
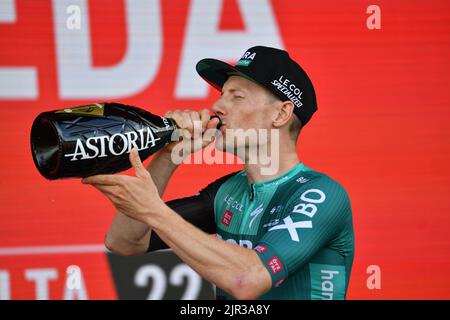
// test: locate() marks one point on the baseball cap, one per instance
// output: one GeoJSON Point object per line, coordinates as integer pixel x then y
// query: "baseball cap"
{"type": "Point", "coordinates": [271, 68]}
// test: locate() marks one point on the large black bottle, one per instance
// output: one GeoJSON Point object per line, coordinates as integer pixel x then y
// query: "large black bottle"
{"type": "Point", "coordinates": [95, 139]}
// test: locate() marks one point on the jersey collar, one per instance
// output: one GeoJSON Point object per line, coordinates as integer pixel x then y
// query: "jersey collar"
{"type": "Point", "coordinates": [281, 179]}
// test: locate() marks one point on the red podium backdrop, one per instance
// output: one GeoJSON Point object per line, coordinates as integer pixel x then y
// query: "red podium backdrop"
{"type": "Point", "coordinates": [382, 130]}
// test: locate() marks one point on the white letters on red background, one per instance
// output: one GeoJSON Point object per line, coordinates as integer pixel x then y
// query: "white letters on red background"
{"type": "Point", "coordinates": [77, 78]}
{"type": "Point", "coordinates": [204, 40]}
{"type": "Point", "coordinates": [41, 278]}
{"type": "Point", "coordinates": [16, 82]}
{"type": "Point", "coordinates": [74, 283]}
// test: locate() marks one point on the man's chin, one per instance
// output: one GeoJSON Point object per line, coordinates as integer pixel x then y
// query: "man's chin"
{"type": "Point", "coordinates": [222, 146]}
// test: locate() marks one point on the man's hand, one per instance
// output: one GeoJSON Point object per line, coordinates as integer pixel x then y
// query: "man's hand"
{"type": "Point", "coordinates": [136, 197]}
{"type": "Point", "coordinates": [193, 126]}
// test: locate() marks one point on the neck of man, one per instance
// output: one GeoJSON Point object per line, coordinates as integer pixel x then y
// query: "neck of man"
{"type": "Point", "coordinates": [281, 161]}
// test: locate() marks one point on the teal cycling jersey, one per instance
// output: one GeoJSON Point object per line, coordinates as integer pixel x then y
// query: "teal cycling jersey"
{"type": "Point", "coordinates": [299, 224]}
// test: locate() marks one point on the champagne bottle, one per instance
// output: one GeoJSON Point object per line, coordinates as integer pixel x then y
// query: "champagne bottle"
{"type": "Point", "coordinates": [95, 139]}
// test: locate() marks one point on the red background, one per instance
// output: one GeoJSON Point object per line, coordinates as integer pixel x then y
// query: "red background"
{"type": "Point", "coordinates": [382, 130]}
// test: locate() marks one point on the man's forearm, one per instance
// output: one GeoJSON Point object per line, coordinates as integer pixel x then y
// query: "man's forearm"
{"type": "Point", "coordinates": [128, 236]}
{"type": "Point", "coordinates": [161, 169]}
{"type": "Point", "coordinates": [235, 269]}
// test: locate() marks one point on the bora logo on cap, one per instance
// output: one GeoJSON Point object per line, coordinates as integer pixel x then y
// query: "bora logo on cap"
{"type": "Point", "coordinates": [246, 59]}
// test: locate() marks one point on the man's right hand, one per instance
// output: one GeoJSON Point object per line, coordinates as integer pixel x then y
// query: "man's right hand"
{"type": "Point", "coordinates": [127, 236]}
{"type": "Point", "coordinates": [193, 126]}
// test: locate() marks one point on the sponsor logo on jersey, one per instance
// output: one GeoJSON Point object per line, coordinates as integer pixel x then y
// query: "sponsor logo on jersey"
{"type": "Point", "coordinates": [327, 281]}
{"type": "Point", "coordinates": [226, 218]}
{"type": "Point", "coordinates": [308, 207]}
{"type": "Point", "coordinates": [292, 227]}
{"type": "Point", "coordinates": [242, 242]}
{"type": "Point", "coordinates": [232, 203]}
{"type": "Point", "coordinates": [309, 199]}
{"type": "Point", "coordinates": [277, 284]}
{"type": "Point", "coordinates": [327, 284]}
{"type": "Point", "coordinates": [254, 214]}
{"type": "Point", "coordinates": [260, 248]}
{"type": "Point", "coordinates": [302, 180]}
{"type": "Point", "coordinates": [276, 209]}
{"type": "Point", "coordinates": [277, 182]}
{"type": "Point", "coordinates": [271, 223]}
{"type": "Point", "coordinates": [275, 265]}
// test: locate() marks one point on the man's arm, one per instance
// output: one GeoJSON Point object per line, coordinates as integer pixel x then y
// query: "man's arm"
{"type": "Point", "coordinates": [197, 210]}
{"type": "Point", "coordinates": [236, 270]}
{"type": "Point", "coordinates": [127, 236]}
{"type": "Point", "coordinates": [247, 274]}
{"type": "Point", "coordinates": [240, 272]}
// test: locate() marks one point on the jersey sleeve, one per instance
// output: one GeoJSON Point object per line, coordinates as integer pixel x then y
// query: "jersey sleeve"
{"type": "Point", "coordinates": [312, 217]}
{"type": "Point", "coordinates": [197, 210]}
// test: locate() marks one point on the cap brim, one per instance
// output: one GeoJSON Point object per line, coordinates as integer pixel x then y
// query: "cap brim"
{"type": "Point", "coordinates": [216, 72]}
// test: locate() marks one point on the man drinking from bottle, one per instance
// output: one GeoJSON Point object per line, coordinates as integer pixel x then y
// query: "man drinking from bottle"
{"type": "Point", "coordinates": [286, 234]}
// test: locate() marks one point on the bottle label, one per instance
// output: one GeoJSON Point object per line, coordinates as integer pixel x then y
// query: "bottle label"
{"type": "Point", "coordinates": [96, 109]}
{"type": "Point", "coordinates": [116, 144]}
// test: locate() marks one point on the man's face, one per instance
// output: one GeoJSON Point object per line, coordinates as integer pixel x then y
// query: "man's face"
{"type": "Point", "coordinates": [243, 105]}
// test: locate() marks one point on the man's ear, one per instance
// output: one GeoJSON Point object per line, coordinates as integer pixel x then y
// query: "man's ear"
{"type": "Point", "coordinates": [284, 114]}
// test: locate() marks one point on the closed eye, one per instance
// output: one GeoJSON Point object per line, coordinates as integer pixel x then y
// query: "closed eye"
{"type": "Point", "coordinates": [234, 93]}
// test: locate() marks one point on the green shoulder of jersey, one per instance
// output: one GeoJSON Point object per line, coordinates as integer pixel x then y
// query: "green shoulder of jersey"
{"type": "Point", "coordinates": [299, 224]}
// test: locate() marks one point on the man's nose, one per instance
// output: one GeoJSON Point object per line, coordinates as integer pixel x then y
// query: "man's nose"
{"type": "Point", "coordinates": [218, 107]}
